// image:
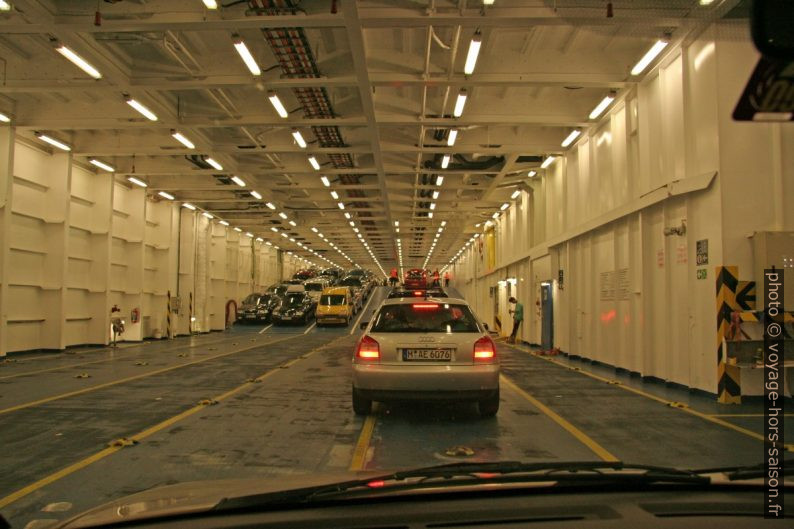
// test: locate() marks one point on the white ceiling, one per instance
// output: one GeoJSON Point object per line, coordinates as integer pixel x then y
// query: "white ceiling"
{"type": "Point", "coordinates": [391, 71]}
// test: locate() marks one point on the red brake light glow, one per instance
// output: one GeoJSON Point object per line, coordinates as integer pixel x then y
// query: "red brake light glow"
{"type": "Point", "coordinates": [484, 350]}
{"type": "Point", "coordinates": [425, 306]}
{"type": "Point", "coordinates": [418, 293]}
{"type": "Point", "coordinates": [376, 484]}
{"type": "Point", "coordinates": [368, 349]}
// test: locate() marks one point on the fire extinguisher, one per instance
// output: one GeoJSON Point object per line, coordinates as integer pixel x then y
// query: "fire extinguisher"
{"type": "Point", "coordinates": [135, 315]}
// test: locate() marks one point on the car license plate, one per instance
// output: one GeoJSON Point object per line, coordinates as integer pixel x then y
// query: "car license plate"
{"type": "Point", "coordinates": [250, 316]}
{"type": "Point", "coordinates": [285, 318]}
{"type": "Point", "coordinates": [427, 355]}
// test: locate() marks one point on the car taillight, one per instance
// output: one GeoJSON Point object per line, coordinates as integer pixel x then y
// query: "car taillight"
{"type": "Point", "coordinates": [418, 293]}
{"type": "Point", "coordinates": [484, 350]}
{"type": "Point", "coordinates": [368, 349]}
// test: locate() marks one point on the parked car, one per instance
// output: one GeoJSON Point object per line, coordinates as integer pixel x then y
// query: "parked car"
{"type": "Point", "coordinates": [415, 278]}
{"type": "Point", "coordinates": [315, 287]}
{"type": "Point", "coordinates": [425, 349]}
{"type": "Point", "coordinates": [277, 290]}
{"type": "Point", "coordinates": [356, 285]}
{"type": "Point", "coordinates": [336, 305]}
{"type": "Point", "coordinates": [294, 281]}
{"type": "Point", "coordinates": [295, 307]}
{"type": "Point", "coordinates": [332, 274]}
{"type": "Point", "coordinates": [417, 293]}
{"type": "Point", "coordinates": [305, 274]}
{"type": "Point", "coordinates": [256, 307]}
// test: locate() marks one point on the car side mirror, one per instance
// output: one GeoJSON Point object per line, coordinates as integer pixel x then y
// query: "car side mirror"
{"type": "Point", "coordinates": [363, 325]}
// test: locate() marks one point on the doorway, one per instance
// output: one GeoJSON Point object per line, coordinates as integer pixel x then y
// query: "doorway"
{"type": "Point", "coordinates": [547, 316]}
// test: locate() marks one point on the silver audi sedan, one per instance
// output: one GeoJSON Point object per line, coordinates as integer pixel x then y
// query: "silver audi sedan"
{"type": "Point", "coordinates": [425, 349]}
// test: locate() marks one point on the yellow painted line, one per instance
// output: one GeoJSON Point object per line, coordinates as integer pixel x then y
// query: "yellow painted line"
{"type": "Point", "coordinates": [118, 357]}
{"type": "Point", "coordinates": [706, 417]}
{"type": "Point", "coordinates": [362, 446]}
{"type": "Point", "coordinates": [585, 439]}
{"type": "Point", "coordinates": [33, 487]}
{"type": "Point", "coordinates": [134, 377]}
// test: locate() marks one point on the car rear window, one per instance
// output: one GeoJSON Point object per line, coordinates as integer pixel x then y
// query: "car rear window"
{"type": "Point", "coordinates": [425, 316]}
{"type": "Point", "coordinates": [293, 299]}
{"type": "Point", "coordinates": [332, 299]}
{"type": "Point", "coordinates": [318, 287]}
{"type": "Point", "coordinates": [350, 282]}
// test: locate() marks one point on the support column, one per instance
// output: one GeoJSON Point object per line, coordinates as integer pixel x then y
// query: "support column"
{"type": "Point", "coordinates": [6, 188]}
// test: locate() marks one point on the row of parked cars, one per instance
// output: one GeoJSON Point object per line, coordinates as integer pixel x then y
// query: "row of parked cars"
{"type": "Point", "coordinates": [326, 295]}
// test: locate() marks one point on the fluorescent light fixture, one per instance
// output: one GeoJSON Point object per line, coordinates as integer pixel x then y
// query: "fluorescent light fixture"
{"type": "Point", "coordinates": [299, 138]}
{"type": "Point", "coordinates": [191, 207]}
{"type": "Point", "coordinates": [223, 223]}
{"type": "Point", "coordinates": [237, 229]}
{"type": "Point", "coordinates": [571, 137]}
{"type": "Point", "coordinates": [532, 173]}
{"type": "Point", "coordinates": [3, 117]}
{"type": "Point", "coordinates": [355, 230]}
{"type": "Point", "coordinates": [210, 4]}
{"type": "Point", "coordinates": [181, 139]}
{"type": "Point", "coordinates": [214, 164]}
{"type": "Point", "coordinates": [284, 235]}
{"type": "Point", "coordinates": [347, 215]}
{"type": "Point", "coordinates": [270, 205]}
{"type": "Point", "coordinates": [245, 55]}
{"type": "Point", "coordinates": [314, 229]}
{"type": "Point", "coordinates": [283, 215]}
{"type": "Point", "coordinates": [314, 162]}
{"type": "Point", "coordinates": [325, 181]}
{"type": "Point", "coordinates": [292, 223]}
{"type": "Point", "coordinates": [439, 180]}
{"type": "Point", "coordinates": [443, 223]}
{"type": "Point", "coordinates": [291, 239]}
{"type": "Point", "coordinates": [78, 61]}
{"type": "Point", "coordinates": [504, 206]}
{"type": "Point", "coordinates": [256, 195]}
{"type": "Point", "coordinates": [269, 243]}
{"type": "Point", "coordinates": [335, 195]}
{"type": "Point", "coordinates": [208, 215]}
{"type": "Point", "coordinates": [547, 162]}
{"type": "Point", "coordinates": [137, 182]}
{"type": "Point", "coordinates": [239, 181]}
{"type": "Point", "coordinates": [249, 234]}
{"type": "Point", "coordinates": [274, 229]}
{"type": "Point", "coordinates": [148, 114]}
{"type": "Point", "coordinates": [259, 239]}
{"type": "Point", "coordinates": [600, 107]}
{"type": "Point", "coordinates": [276, 102]}
{"type": "Point", "coordinates": [649, 56]}
{"type": "Point", "coordinates": [460, 103]}
{"type": "Point", "coordinates": [488, 223]}
{"type": "Point", "coordinates": [165, 195]}
{"type": "Point", "coordinates": [453, 135]}
{"type": "Point", "coordinates": [515, 194]}
{"type": "Point", "coordinates": [102, 165]}
{"type": "Point", "coordinates": [5, 6]}
{"type": "Point", "coordinates": [432, 205]}
{"type": "Point", "coordinates": [474, 51]}
{"type": "Point", "coordinates": [435, 195]}
{"type": "Point", "coordinates": [341, 205]}
{"type": "Point", "coordinates": [706, 2]}
{"type": "Point", "coordinates": [53, 142]}
{"type": "Point", "coordinates": [495, 215]}
{"type": "Point", "coordinates": [445, 161]}
{"type": "Point", "coordinates": [352, 224]}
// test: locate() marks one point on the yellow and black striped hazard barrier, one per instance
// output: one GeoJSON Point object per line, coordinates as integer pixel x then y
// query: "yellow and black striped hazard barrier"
{"type": "Point", "coordinates": [170, 331]}
{"type": "Point", "coordinates": [729, 389]}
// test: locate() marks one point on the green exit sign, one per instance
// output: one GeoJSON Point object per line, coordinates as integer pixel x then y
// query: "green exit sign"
{"type": "Point", "coordinates": [701, 273]}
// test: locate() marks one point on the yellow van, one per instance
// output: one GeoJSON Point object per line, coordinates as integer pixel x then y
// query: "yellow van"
{"type": "Point", "coordinates": [335, 306]}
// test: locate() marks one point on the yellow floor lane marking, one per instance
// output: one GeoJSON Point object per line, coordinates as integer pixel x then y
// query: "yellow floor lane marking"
{"type": "Point", "coordinates": [119, 357]}
{"type": "Point", "coordinates": [586, 440]}
{"type": "Point", "coordinates": [744, 414]}
{"type": "Point", "coordinates": [135, 377]}
{"type": "Point", "coordinates": [362, 446]}
{"type": "Point", "coordinates": [706, 417]}
{"type": "Point", "coordinates": [33, 487]}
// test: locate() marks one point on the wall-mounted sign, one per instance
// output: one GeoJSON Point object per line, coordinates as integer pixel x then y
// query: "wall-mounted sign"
{"type": "Point", "coordinates": [623, 284]}
{"type": "Point", "coordinates": [560, 277]}
{"type": "Point", "coordinates": [701, 273]}
{"type": "Point", "coordinates": [680, 253]}
{"type": "Point", "coordinates": [660, 258]}
{"type": "Point", "coordinates": [702, 252]}
{"type": "Point", "coordinates": [607, 286]}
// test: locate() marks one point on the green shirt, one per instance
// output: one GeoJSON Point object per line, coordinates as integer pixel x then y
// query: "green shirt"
{"type": "Point", "coordinates": [518, 315]}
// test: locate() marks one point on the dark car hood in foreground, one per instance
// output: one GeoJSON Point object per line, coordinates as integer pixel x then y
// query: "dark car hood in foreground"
{"type": "Point", "coordinates": [193, 497]}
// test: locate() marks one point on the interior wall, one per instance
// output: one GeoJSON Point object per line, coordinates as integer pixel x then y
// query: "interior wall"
{"type": "Point", "coordinates": [75, 242]}
{"type": "Point", "coordinates": [667, 155]}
